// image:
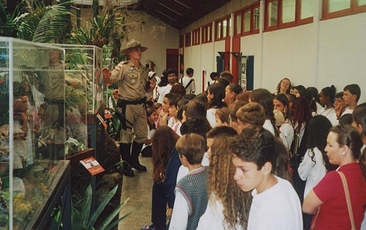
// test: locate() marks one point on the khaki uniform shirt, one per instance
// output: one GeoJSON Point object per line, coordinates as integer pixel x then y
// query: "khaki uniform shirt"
{"type": "Point", "coordinates": [53, 81]}
{"type": "Point", "coordinates": [131, 80]}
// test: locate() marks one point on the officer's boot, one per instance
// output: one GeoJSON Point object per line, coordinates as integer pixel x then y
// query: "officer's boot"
{"type": "Point", "coordinates": [126, 158]}
{"type": "Point", "coordinates": [136, 149]}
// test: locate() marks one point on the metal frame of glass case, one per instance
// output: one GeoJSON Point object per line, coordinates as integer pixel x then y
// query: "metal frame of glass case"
{"type": "Point", "coordinates": [85, 62]}
{"type": "Point", "coordinates": [33, 128]}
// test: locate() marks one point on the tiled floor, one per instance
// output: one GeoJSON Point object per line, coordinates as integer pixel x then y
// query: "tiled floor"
{"type": "Point", "coordinates": [138, 189]}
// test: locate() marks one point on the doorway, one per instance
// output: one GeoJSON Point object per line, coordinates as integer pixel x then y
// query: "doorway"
{"type": "Point", "coordinates": [246, 72]}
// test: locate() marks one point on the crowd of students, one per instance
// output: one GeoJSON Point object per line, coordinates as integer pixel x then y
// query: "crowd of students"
{"type": "Point", "coordinates": [234, 159]}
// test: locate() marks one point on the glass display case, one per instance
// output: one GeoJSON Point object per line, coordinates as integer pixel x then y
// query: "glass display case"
{"type": "Point", "coordinates": [33, 126]}
{"type": "Point", "coordinates": [83, 76]}
{"type": "Point", "coordinates": [83, 65]}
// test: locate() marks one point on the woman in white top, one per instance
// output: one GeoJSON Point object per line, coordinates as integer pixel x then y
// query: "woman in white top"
{"type": "Point", "coordinates": [265, 99]}
{"type": "Point", "coordinates": [326, 98]}
{"type": "Point", "coordinates": [281, 103]}
{"type": "Point", "coordinates": [313, 166]}
{"type": "Point", "coordinates": [215, 97]}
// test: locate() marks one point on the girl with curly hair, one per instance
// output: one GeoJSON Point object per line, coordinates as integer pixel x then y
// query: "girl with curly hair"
{"type": "Point", "coordinates": [300, 117]}
{"type": "Point", "coordinates": [228, 206]}
{"type": "Point", "coordinates": [283, 86]}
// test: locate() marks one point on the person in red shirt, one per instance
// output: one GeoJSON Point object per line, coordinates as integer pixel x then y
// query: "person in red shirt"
{"type": "Point", "coordinates": [327, 200]}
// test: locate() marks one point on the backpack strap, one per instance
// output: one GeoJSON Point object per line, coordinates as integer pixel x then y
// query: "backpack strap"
{"type": "Point", "coordinates": [188, 84]}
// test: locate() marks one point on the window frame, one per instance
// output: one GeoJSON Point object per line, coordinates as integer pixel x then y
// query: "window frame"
{"type": "Point", "coordinates": [235, 22]}
{"type": "Point", "coordinates": [196, 36]}
{"type": "Point", "coordinates": [187, 39]}
{"type": "Point", "coordinates": [222, 35]}
{"type": "Point", "coordinates": [252, 30]}
{"type": "Point", "coordinates": [280, 25]}
{"type": "Point", "coordinates": [207, 33]}
{"type": "Point", "coordinates": [353, 9]}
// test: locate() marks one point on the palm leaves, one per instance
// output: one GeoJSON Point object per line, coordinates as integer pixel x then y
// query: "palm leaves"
{"type": "Point", "coordinates": [7, 24]}
{"type": "Point", "coordinates": [100, 29]}
{"type": "Point", "coordinates": [84, 219]}
{"type": "Point", "coordinates": [46, 24]}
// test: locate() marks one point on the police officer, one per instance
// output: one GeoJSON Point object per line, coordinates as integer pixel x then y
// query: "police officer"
{"type": "Point", "coordinates": [132, 78]}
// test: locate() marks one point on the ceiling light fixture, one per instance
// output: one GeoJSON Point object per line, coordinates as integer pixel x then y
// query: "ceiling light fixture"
{"type": "Point", "coordinates": [169, 8]}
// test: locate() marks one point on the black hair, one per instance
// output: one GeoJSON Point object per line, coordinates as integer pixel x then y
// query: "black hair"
{"type": "Point", "coordinates": [265, 99]}
{"type": "Point", "coordinates": [318, 129]}
{"type": "Point", "coordinates": [348, 135]}
{"type": "Point", "coordinates": [339, 95]}
{"type": "Point", "coordinates": [235, 88]}
{"type": "Point", "coordinates": [189, 71]}
{"type": "Point", "coordinates": [353, 89]}
{"type": "Point", "coordinates": [224, 82]}
{"type": "Point", "coordinates": [312, 95]}
{"type": "Point", "coordinates": [330, 92]}
{"type": "Point", "coordinates": [163, 79]}
{"type": "Point", "coordinates": [359, 116]}
{"type": "Point", "coordinates": [256, 145]}
{"type": "Point", "coordinates": [171, 70]}
{"type": "Point", "coordinates": [221, 131]}
{"type": "Point", "coordinates": [219, 94]}
{"type": "Point", "coordinates": [284, 100]}
{"type": "Point", "coordinates": [345, 119]}
{"type": "Point", "coordinates": [195, 125]}
{"type": "Point", "coordinates": [195, 109]}
{"type": "Point", "coordinates": [213, 75]}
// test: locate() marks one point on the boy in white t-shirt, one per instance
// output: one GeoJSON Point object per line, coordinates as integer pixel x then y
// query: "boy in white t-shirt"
{"type": "Point", "coordinates": [275, 203]}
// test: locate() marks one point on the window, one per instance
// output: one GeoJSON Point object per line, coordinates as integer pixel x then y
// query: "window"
{"type": "Point", "coordinates": [307, 8]}
{"type": "Point", "coordinates": [247, 20]}
{"type": "Point", "coordinates": [338, 8]}
{"type": "Point", "coordinates": [188, 39]}
{"type": "Point", "coordinates": [196, 36]}
{"type": "Point", "coordinates": [287, 13]}
{"type": "Point", "coordinates": [238, 24]}
{"type": "Point", "coordinates": [256, 18]}
{"type": "Point", "coordinates": [222, 28]}
{"type": "Point", "coordinates": [207, 33]}
{"type": "Point", "coordinates": [272, 13]}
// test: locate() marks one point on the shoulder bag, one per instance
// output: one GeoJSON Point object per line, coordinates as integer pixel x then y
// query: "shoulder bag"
{"type": "Point", "coordinates": [348, 199]}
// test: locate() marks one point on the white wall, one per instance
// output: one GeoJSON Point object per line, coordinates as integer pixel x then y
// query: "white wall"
{"type": "Point", "coordinates": [202, 58]}
{"type": "Point", "coordinates": [333, 54]}
{"type": "Point", "coordinates": [158, 37]}
{"type": "Point", "coordinates": [342, 52]}
{"type": "Point", "coordinates": [288, 53]}
{"type": "Point", "coordinates": [153, 33]}
{"type": "Point", "coordinates": [318, 54]}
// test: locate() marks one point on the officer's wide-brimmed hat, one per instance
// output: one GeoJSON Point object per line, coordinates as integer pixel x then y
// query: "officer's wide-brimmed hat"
{"type": "Point", "coordinates": [133, 44]}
